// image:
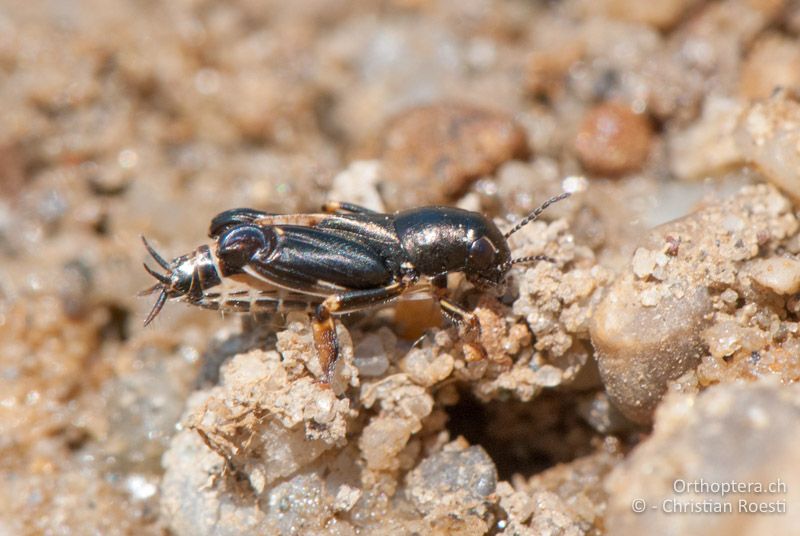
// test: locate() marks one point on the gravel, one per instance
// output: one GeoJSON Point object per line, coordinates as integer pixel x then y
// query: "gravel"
{"type": "Point", "coordinates": [646, 352]}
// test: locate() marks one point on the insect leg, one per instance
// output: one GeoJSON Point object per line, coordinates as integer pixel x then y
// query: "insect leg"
{"type": "Point", "coordinates": [322, 324]}
{"type": "Point", "coordinates": [455, 313]}
{"type": "Point", "coordinates": [333, 207]}
{"type": "Point", "coordinates": [473, 349]}
{"type": "Point", "coordinates": [459, 315]}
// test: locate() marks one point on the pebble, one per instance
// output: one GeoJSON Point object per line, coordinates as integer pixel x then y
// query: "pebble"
{"type": "Point", "coordinates": [613, 140]}
{"type": "Point", "coordinates": [657, 320]}
{"type": "Point", "coordinates": [346, 498]}
{"type": "Point", "coordinates": [730, 434]}
{"type": "Point", "coordinates": [382, 440]}
{"type": "Point", "coordinates": [768, 135]}
{"type": "Point", "coordinates": [369, 356]}
{"type": "Point", "coordinates": [425, 368]}
{"type": "Point", "coordinates": [662, 15]}
{"type": "Point", "coordinates": [602, 415]}
{"type": "Point", "coordinates": [779, 274]}
{"type": "Point", "coordinates": [729, 296]}
{"type": "Point", "coordinates": [644, 262]}
{"type": "Point", "coordinates": [12, 169]}
{"type": "Point", "coordinates": [773, 62]}
{"type": "Point", "coordinates": [651, 296]}
{"type": "Point", "coordinates": [643, 342]}
{"type": "Point", "coordinates": [707, 146]}
{"type": "Point", "coordinates": [433, 153]}
{"type": "Point", "coordinates": [726, 337]}
{"type": "Point", "coordinates": [455, 477]}
{"type": "Point", "coordinates": [548, 67]}
{"type": "Point", "coordinates": [414, 317]}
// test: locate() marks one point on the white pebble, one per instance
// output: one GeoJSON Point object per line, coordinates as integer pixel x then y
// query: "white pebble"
{"type": "Point", "coordinates": [769, 136]}
{"type": "Point", "coordinates": [782, 275]}
{"type": "Point", "coordinates": [729, 295]}
{"type": "Point", "coordinates": [651, 296]}
{"type": "Point", "coordinates": [644, 262]}
{"type": "Point", "coordinates": [370, 357]}
{"type": "Point", "coordinates": [548, 376]}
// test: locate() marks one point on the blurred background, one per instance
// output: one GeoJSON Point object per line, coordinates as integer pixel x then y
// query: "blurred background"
{"type": "Point", "coordinates": [121, 118]}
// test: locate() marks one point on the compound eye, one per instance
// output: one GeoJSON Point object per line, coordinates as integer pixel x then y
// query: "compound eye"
{"type": "Point", "coordinates": [482, 252]}
{"type": "Point", "coordinates": [237, 245]}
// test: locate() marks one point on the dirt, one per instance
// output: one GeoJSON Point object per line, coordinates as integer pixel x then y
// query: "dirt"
{"type": "Point", "coordinates": [659, 344]}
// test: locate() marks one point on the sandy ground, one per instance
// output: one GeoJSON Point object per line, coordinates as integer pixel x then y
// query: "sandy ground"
{"type": "Point", "coordinates": [660, 347]}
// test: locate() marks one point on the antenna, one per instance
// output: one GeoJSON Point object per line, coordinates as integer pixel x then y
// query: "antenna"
{"type": "Point", "coordinates": [533, 258]}
{"type": "Point", "coordinates": [535, 214]}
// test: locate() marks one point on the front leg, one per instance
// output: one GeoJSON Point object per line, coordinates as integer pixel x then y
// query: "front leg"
{"type": "Point", "coordinates": [471, 344]}
{"type": "Point", "coordinates": [324, 329]}
{"type": "Point", "coordinates": [454, 312]}
{"type": "Point", "coordinates": [472, 347]}
{"type": "Point", "coordinates": [459, 315]}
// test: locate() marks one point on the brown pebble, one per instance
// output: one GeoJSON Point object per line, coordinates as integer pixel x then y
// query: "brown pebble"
{"type": "Point", "coordinates": [12, 169]}
{"type": "Point", "coordinates": [433, 153]}
{"type": "Point", "coordinates": [774, 62]}
{"type": "Point", "coordinates": [613, 140]}
{"type": "Point", "coordinates": [673, 246]}
{"type": "Point", "coordinates": [662, 15]}
{"type": "Point", "coordinates": [414, 317]}
{"type": "Point", "coordinates": [547, 69]}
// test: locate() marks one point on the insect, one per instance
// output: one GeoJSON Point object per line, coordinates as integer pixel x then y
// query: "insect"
{"type": "Point", "coordinates": [342, 260]}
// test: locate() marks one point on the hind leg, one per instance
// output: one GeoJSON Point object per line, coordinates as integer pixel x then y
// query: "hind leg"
{"type": "Point", "coordinates": [324, 329]}
{"type": "Point", "coordinates": [334, 207]}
